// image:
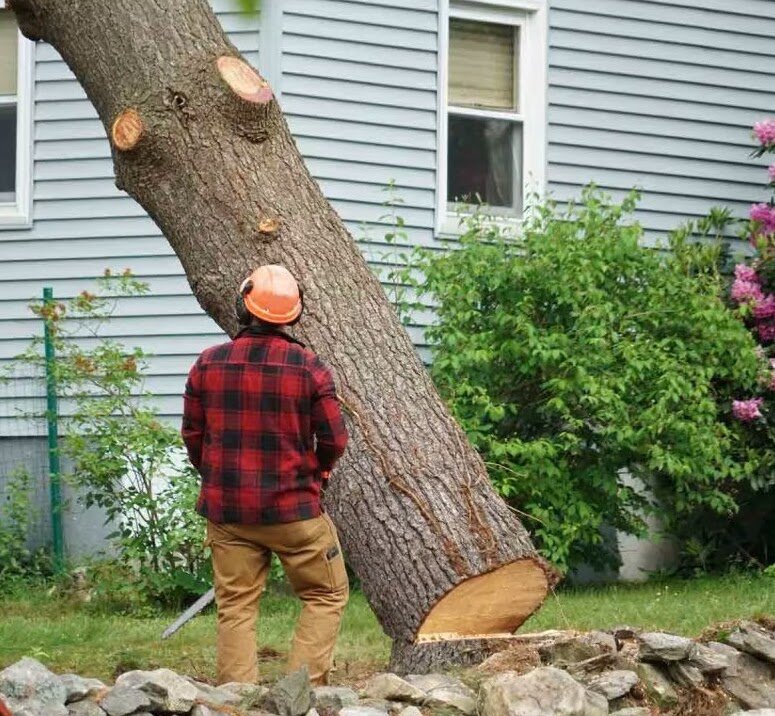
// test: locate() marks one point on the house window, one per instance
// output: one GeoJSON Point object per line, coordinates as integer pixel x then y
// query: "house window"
{"type": "Point", "coordinates": [16, 60]}
{"type": "Point", "coordinates": [492, 76]}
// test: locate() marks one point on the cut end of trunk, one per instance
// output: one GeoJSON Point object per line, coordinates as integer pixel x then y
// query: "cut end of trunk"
{"type": "Point", "coordinates": [491, 604]}
{"type": "Point", "coordinates": [243, 80]}
{"type": "Point", "coordinates": [127, 130]}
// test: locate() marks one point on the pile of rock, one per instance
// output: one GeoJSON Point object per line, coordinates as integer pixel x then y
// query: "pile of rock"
{"type": "Point", "coordinates": [621, 672]}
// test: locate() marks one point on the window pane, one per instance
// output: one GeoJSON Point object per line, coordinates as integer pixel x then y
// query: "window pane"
{"type": "Point", "coordinates": [9, 44]}
{"type": "Point", "coordinates": [482, 59]}
{"type": "Point", "coordinates": [7, 152]}
{"type": "Point", "coordinates": [484, 162]}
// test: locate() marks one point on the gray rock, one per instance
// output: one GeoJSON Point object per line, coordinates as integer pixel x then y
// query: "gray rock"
{"type": "Point", "coordinates": [34, 707]}
{"type": "Point", "coordinates": [657, 685]}
{"type": "Point", "coordinates": [313, 712]}
{"type": "Point", "coordinates": [124, 700]}
{"type": "Point", "coordinates": [684, 674]}
{"type": "Point", "coordinates": [167, 691]}
{"type": "Point", "coordinates": [247, 695]}
{"type": "Point", "coordinates": [747, 679]}
{"type": "Point", "coordinates": [392, 707]}
{"type": "Point", "coordinates": [660, 647]}
{"type": "Point", "coordinates": [84, 708]}
{"type": "Point", "coordinates": [596, 704]}
{"type": "Point", "coordinates": [634, 711]}
{"type": "Point", "coordinates": [29, 680]}
{"type": "Point", "coordinates": [334, 697]}
{"type": "Point", "coordinates": [444, 691]}
{"type": "Point", "coordinates": [291, 696]}
{"type": "Point", "coordinates": [202, 710]}
{"type": "Point", "coordinates": [216, 696]}
{"type": "Point", "coordinates": [393, 688]}
{"type": "Point", "coordinates": [77, 688]}
{"type": "Point", "coordinates": [578, 648]}
{"type": "Point", "coordinates": [547, 691]}
{"type": "Point", "coordinates": [709, 661]}
{"type": "Point", "coordinates": [613, 684]}
{"type": "Point", "coordinates": [410, 711]}
{"type": "Point", "coordinates": [757, 712]}
{"type": "Point", "coordinates": [753, 639]}
{"type": "Point", "coordinates": [362, 711]}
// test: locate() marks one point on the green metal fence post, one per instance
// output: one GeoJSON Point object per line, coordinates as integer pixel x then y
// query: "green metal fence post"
{"type": "Point", "coordinates": [52, 415]}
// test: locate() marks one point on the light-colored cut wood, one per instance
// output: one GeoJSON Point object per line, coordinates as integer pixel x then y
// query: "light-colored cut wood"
{"type": "Point", "coordinates": [243, 80]}
{"type": "Point", "coordinates": [495, 603]}
{"type": "Point", "coordinates": [127, 130]}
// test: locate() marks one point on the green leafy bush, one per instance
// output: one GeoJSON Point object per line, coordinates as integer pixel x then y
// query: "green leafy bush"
{"type": "Point", "coordinates": [585, 368]}
{"type": "Point", "coordinates": [125, 460]}
{"type": "Point", "coordinates": [18, 562]}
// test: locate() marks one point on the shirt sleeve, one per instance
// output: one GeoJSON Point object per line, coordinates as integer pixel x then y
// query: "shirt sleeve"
{"type": "Point", "coordinates": [327, 420]}
{"type": "Point", "coordinates": [193, 415]}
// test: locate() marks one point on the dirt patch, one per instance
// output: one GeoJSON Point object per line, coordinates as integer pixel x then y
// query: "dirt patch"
{"type": "Point", "coordinates": [521, 658]}
{"type": "Point", "coordinates": [701, 702]}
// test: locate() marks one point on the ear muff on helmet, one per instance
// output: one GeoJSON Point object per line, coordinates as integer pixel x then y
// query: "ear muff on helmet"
{"type": "Point", "coordinates": [244, 317]}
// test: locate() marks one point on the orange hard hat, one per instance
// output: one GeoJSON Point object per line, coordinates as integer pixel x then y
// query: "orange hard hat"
{"type": "Point", "coordinates": [272, 294]}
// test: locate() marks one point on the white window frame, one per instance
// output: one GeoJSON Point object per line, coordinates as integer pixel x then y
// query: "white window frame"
{"type": "Point", "coordinates": [18, 214]}
{"type": "Point", "coordinates": [531, 17]}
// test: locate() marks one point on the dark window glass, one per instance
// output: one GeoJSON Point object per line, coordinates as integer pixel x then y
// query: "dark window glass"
{"type": "Point", "coordinates": [7, 152]}
{"type": "Point", "coordinates": [484, 161]}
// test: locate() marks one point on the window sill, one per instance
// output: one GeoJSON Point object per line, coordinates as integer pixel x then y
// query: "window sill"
{"type": "Point", "coordinates": [452, 226]}
{"type": "Point", "coordinates": [12, 217]}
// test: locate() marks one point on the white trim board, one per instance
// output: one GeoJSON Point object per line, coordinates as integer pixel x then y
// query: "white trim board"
{"type": "Point", "coordinates": [18, 214]}
{"type": "Point", "coordinates": [532, 17]}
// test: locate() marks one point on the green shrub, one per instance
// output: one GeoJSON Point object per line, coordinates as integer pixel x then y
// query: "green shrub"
{"type": "Point", "coordinates": [17, 561]}
{"type": "Point", "coordinates": [125, 460]}
{"type": "Point", "coordinates": [571, 354]}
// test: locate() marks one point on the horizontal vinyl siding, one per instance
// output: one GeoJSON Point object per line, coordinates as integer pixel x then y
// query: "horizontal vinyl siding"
{"type": "Point", "coordinates": [359, 91]}
{"type": "Point", "coordinates": [83, 224]}
{"type": "Point", "coordinates": [660, 95]}
{"type": "Point", "coordinates": [363, 113]}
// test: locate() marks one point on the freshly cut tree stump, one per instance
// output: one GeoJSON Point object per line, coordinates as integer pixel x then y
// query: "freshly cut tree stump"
{"type": "Point", "coordinates": [200, 142]}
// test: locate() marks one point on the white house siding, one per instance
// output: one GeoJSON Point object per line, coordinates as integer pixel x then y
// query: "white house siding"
{"type": "Point", "coordinates": [660, 94]}
{"type": "Point", "coordinates": [83, 224]}
{"type": "Point", "coordinates": [657, 94]}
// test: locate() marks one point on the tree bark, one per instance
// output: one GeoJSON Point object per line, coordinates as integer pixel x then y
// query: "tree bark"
{"type": "Point", "coordinates": [199, 141]}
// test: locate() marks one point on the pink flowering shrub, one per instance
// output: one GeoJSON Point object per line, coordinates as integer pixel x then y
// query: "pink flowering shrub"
{"type": "Point", "coordinates": [747, 410]}
{"type": "Point", "coordinates": [765, 135]}
{"type": "Point", "coordinates": [753, 288]}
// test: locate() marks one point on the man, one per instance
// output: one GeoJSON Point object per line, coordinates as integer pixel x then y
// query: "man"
{"type": "Point", "coordinates": [263, 427]}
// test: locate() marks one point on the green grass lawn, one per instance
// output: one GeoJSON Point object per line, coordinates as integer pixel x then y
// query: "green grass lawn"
{"type": "Point", "coordinates": [70, 637]}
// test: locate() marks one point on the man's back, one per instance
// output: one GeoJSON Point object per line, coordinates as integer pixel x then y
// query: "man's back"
{"type": "Point", "coordinates": [261, 422]}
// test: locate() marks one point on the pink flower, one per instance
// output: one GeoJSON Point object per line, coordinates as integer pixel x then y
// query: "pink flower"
{"type": "Point", "coordinates": [765, 308]}
{"type": "Point", "coordinates": [747, 410]}
{"type": "Point", "coordinates": [764, 217]}
{"type": "Point", "coordinates": [771, 173]}
{"type": "Point", "coordinates": [765, 132]}
{"type": "Point", "coordinates": [746, 273]}
{"type": "Point", "coordinates": [766, 331]}
{"type": "Point", "coordinates": [746, 292]}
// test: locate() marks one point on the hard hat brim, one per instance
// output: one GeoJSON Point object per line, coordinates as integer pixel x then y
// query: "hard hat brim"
{"type": "Point", "coordinates": [266, 315]}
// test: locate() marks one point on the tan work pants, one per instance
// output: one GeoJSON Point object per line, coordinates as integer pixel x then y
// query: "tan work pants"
{"type": "Point", "coordinates": [312, 558]}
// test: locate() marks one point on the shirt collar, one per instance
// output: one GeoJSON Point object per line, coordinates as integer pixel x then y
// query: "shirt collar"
{"type": "Point", "coordinates": [264, 331]}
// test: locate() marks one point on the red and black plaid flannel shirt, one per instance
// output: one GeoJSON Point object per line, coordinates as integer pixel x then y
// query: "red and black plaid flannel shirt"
{"type": "Point", "coordinates": [261, 421]}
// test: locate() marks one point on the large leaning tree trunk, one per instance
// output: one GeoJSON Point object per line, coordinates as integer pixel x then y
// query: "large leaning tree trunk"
{"type": "Point", "coordinates": [200, 142]}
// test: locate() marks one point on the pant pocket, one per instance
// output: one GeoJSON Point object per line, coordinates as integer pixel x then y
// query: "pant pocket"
{"type": "Point", "coordinates": [337, 572]}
